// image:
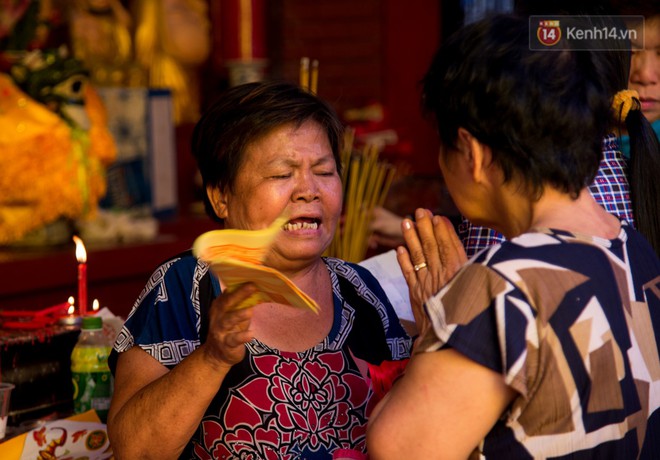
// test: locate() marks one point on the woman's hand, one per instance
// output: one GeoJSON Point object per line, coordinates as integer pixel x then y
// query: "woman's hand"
{"type": "Point", "coordinates": [229, 327]}
{"type": "Point", "coordinates": [434, 254]}
{"type": "Point", "coordinates": [386, 228]}
{"type": "Point", "coordinates": [148, 396]}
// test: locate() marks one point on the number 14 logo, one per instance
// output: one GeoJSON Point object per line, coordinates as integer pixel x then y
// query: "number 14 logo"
{"type": "Point", "coordinates": [548, 33]}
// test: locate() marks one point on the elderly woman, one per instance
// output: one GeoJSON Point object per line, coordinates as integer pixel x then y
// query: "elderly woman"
{"type": "Point", "coordinates": [196, 378]}
{"type": "Point", "coordinates": [545, 345]}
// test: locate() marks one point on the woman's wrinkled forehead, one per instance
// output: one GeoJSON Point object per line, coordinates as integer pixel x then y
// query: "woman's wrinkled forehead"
{"type": "Point", "coordinates": [278, 136]}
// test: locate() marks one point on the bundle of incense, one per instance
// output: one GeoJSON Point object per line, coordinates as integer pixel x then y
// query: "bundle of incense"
{"type": "Point", "coordinates": [309, 78]}
{"type": "Point", "coordinates": [237, 257]}
{"type": "Point", "coordinates": [366, 182]}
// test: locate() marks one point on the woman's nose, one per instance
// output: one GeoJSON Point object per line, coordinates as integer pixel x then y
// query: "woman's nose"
{"type": "Point", "coordinates": [645, 68]}
{"type": "Point", "coordinates": [307, 187]}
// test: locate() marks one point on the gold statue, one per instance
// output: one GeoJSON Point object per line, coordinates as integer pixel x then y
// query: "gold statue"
{"type": "Point", "coordinates": [171, 40]}
{"type": "Point", "coordinates": [101, 38]}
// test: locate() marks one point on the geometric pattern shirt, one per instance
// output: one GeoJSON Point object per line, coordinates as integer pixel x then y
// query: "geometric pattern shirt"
{"type": "Point", "coordinates": [610, 189]}
{"type": "Point", "coordinates": [274, 404]}
{"type": "Point", "coordinates": [572, 323]}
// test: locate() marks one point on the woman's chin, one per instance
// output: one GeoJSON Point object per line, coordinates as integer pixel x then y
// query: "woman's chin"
{"type": "Point", "coordinates": [301, 255]}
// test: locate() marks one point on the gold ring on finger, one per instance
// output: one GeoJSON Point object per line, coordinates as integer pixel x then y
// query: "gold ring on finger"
{"type": "Point", "coordinates": [418, 267]}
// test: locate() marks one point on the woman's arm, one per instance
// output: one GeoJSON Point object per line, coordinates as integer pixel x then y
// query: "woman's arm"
{"type": "Point", "coordinates": [154, 412]}
{"type": "Point", "coordinates": [441, 408]}
{"type": "Point", "coordinates": [386, 228]}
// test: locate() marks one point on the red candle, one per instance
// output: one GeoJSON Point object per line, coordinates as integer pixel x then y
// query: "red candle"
{"type": "Point", "coordinates": [243, 29]}
{"type": "Point", "coordinates": [81, 256]}
{"type": "Point", "coordinates": [71, 319]}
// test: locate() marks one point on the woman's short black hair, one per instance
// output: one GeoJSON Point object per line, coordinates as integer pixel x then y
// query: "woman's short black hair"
{"type": "Point", "coordinates": [543, 113]}
{"type": "Point", "coordinates": [246, 113]}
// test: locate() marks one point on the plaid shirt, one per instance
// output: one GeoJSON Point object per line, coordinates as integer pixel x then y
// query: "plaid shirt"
{"type": "Point", "coordinates": [610, 189]}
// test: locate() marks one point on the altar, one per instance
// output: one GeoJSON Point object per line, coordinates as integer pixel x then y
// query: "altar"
{"type": "Point", "coordinates": [38, 363]}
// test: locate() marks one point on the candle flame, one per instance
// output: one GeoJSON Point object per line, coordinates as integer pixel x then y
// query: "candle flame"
{"type": "Point", "coordinates": [95, 305]}
{"type": "Point", "coordinates": [81, 254]}
{"type": "Point", "coordinates": [71, 309]}
{"type": "Point", "coordinates": [70, 300]}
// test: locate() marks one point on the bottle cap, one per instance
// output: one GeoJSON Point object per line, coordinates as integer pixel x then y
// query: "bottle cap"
{"type": "Point", "coordinates": [92, 322]}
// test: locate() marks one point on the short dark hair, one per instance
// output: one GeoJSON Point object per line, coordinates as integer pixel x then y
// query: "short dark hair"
{"type": "Point", "coordinates": [543, 113]}
{"type": "Point", "coordinates": [246, 113]}
{"type": "Point", "coordinates": [646, 8]}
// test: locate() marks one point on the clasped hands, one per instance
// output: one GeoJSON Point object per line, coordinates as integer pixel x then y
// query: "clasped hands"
{"type": "Point", "coordinates": [431, 257]}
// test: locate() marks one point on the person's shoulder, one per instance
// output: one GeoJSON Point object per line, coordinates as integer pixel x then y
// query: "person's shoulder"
{"type": "Point", "coordinates": [182, 263]}
{"type": "Point", "coordinates": [530, 246]}
{"type": "Point", "coordinates": [348, 269]}
{"type": "Point", "coordinates": [638, 246]}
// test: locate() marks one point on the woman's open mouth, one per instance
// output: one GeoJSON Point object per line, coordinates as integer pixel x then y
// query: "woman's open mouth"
{"type": "Point", "coordinates": [302, 223]}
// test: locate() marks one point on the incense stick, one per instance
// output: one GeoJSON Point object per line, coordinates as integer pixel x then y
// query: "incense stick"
{"type": "Point", "coordinates": [304, 73]}
{"type": "Point", "coordinates": [309, 80]}
{"type": "Point", "coordinates": [314, 78]}
{"type": "Point", "coordinates": [366, 182]}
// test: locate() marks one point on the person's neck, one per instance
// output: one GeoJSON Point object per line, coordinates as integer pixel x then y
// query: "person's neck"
{"type": "Point", "coordinates": [559, 211]}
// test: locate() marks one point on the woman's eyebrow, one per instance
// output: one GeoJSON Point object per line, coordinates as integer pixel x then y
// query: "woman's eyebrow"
{"type": "Point", "coordinates": [288, 161]}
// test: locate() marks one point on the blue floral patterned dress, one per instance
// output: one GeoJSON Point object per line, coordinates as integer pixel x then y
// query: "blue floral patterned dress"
{"type": "Point", "coordinates": [273, 405]}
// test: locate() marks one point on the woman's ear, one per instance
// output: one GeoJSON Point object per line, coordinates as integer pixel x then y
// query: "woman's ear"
{"type": "Point", "coordinates": [477, 155]}
{"type": "Point", "coordinates": [218, 200]}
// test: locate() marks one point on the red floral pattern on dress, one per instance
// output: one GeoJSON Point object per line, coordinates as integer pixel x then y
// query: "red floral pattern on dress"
{"type": "Point", "coordinates": [290, 406]}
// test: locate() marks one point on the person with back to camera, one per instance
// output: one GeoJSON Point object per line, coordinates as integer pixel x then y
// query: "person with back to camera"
{"type": "Point", "coordinates": [624, 184]}
{"type": "Point", "coordinates": [546, 345]}
{"type": "Point", "coordinates": [195, 378]}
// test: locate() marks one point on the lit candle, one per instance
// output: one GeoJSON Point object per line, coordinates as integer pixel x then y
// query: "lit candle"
{"type": "Point", "coordinates": [70, 319]}
{"type": "Point", "coordinates": [95, 305]}
{"type": "Point", "coordinates": [81, 256]}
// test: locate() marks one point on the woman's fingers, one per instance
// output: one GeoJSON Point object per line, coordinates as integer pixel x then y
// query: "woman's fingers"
{"type": "Point", "coordinates": [451, 252]}
{"type": "Point", "coordinates": [416, 235]}
{"type": "Point", "coordinates": [229, 326]}
{"type": "Point", "coordinates": [415, 291]}
{"type": "Point", "coordinates": [429, 245]}
{"type": "Point", "coordinates": [419, 264]}
{"type": "Point", "coordinates": [434, 254]}
{"type": "Point", "coordinates": [403, 257]}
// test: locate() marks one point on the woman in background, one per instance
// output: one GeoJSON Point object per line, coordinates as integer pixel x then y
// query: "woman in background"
{"type": "Point", "coordinates": [644, 78]}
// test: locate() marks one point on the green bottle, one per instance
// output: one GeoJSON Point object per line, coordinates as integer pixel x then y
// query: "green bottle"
{"type": "Point", "coordinates": [92, 380]}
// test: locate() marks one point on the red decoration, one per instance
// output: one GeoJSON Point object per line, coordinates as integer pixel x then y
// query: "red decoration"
{"type": "Point", "coordinates": [384, 375]}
